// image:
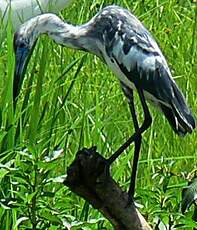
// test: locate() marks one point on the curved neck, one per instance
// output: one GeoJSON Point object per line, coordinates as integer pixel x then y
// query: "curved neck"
{"type": "Point", "coordinates": [62, 33]}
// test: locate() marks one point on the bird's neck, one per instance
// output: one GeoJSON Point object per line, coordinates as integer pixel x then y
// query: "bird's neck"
{"type": "Point", "coordinates": [63, 33]}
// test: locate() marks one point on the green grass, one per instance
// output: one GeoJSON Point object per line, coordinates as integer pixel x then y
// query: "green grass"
{"type": "Point", "coordinates": [70, 101]}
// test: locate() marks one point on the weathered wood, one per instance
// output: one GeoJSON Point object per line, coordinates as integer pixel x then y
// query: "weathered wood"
{"type": "Point", "coordinates": [88, 176]}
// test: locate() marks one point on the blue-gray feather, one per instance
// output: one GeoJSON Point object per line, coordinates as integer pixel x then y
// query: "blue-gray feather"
{"type": "Point", "coordinates": [132, 48]}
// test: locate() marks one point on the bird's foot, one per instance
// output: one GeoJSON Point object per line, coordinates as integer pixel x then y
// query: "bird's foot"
{"type": "Point", "coordinates": [107, 169]}
{"type": "Point", "coordinates": [130, 199]}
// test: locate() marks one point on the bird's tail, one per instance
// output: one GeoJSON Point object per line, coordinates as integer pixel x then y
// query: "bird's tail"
{"type": "Point", "coordinates": [178, 114]}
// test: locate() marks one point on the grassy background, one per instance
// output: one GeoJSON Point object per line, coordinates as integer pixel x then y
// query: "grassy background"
{"type": "Point", "coordinates": [71, 100]}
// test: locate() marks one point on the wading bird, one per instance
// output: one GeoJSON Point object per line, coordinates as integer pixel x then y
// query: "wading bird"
{"type": "Point", "coordinates": [124, 44]}
{"type": "Point", "coordinates": [22, 10]}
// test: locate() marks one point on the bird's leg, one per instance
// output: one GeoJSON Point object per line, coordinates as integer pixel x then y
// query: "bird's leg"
{"type": "Point", "coordinates": [137, 142]}
{"type": "Point", "coordinates": [129, 94]}
{"type": "Point", "coordinates": [147, 122]}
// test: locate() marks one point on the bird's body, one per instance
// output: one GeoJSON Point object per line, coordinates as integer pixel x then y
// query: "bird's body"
{"type": "Point", "coordinates": [133, 55]}
{"type": "Point", "coordinates": [124, 44]}
{"type": "Point", "coordinates": [22, 10]}
{"type": "Point", "coordinates": [130, 51]}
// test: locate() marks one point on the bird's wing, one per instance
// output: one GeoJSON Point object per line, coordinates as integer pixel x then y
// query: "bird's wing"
{"type": "Point", "coordinates": [138, 56]}
{"type": "Point", "coordinates": [134, 56]}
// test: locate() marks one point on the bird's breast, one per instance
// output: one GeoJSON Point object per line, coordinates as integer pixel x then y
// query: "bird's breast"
{"type": "Point", "coordinates": [115, 68]}
{"type": "Point", "coordinates": [126, 60]}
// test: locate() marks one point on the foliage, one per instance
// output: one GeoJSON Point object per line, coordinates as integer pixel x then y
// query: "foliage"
{"type": "Point", "coordinates": [70, 101]}
{"type": "Point", "coordinates": [189, 197]}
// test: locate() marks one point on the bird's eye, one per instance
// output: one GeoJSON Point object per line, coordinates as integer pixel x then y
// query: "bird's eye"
{"type": "Point", "coordinates": [22, 45]}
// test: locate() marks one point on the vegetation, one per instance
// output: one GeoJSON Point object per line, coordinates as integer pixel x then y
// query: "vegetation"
{"type": "Point", "coordinates": [71, 100]}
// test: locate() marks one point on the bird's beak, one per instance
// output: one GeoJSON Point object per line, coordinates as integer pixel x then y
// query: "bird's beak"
{"type": "Point", "coordinates": [21, 61]}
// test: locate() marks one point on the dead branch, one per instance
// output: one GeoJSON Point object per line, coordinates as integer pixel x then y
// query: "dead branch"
{"type": "Point", "coordinates": [89, 178]}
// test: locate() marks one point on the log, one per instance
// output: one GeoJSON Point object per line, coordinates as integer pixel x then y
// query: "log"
{"type": "Point", "coordinates": [89, 177]}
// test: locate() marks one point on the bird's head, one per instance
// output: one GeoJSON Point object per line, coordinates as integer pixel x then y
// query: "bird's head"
{"type": "Point", "coordinates": [24, 42]}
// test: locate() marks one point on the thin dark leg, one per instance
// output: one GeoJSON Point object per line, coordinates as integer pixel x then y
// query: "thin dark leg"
{"type": "Point", "coordinates": [147, 122]}
{"type": "Point", "coordinates": [129, 94]}
{"type": "Point", "coordinates": [138, 142]}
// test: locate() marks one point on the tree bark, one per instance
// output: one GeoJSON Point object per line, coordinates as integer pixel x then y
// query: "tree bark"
{"type": "Point", "coordinates": [88, 176]}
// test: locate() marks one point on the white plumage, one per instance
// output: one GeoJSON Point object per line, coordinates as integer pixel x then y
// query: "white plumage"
{"type": "Point", "coordinates": [22, 10]}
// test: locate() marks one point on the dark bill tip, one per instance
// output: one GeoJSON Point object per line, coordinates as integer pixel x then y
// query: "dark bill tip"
{"type": "Point", "coordinates": [21, 57]}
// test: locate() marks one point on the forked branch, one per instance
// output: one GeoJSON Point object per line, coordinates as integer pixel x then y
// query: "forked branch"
{"type": "Point", "coordinates": [89, 178]}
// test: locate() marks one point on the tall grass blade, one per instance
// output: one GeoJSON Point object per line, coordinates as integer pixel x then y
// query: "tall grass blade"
{"type": "Point", "coordinates": [37, 97]}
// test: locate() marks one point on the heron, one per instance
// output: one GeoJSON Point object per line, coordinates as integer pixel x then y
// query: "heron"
{"type": "Point", "coordinates": [122, 42]}
{"type": "Point", "coordinates": [22, 10]}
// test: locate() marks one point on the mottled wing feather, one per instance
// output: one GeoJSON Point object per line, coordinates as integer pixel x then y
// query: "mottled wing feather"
{"type": "Point", "coordinates": [134, 56]}
{"type": "Point", "coordinates": [139, 58]}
